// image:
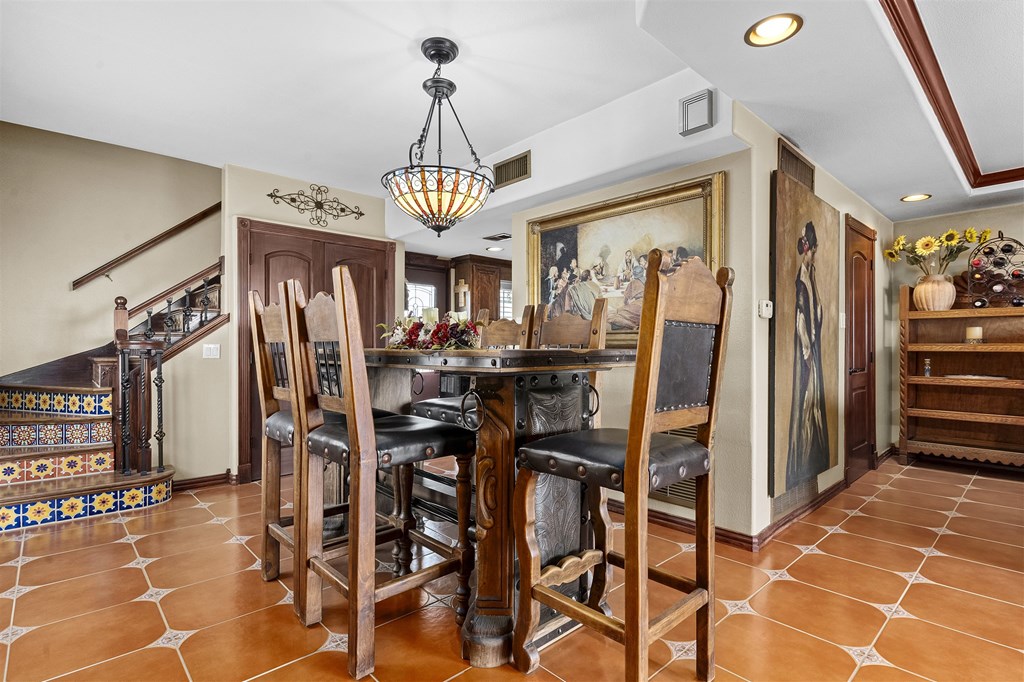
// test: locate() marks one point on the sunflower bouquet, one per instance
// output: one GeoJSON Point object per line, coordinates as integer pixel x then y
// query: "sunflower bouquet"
{"type": "Point", "coordinates": [933, 255]}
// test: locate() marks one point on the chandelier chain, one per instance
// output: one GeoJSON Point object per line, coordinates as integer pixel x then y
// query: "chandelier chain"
{"type": "Point", "coordinates": [476, 159]}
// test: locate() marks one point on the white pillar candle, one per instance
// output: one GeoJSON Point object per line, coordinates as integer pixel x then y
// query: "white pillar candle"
{"type": "Point", "coordinates": [974, 333]}
{"type": "Point", "coordinates": [430, 315]}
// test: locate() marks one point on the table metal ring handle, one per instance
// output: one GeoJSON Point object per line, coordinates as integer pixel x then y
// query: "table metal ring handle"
{"type": "Point", "coordinates": [422, 383]}
{"type": "Point", "coordinates": [597, 402]}
{"type": "Point", "coordinates": [479, 411]}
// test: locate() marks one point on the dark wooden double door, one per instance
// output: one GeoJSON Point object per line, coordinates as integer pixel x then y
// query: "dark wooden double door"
{"type": "Point", "coordinates": [270, 253]}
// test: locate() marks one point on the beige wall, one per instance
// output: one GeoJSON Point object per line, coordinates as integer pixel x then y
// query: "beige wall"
{"type": "Point", "coordinates": [742, 439]}
{"type": "Point", "coordinates": [68, 205]}
{"type": "Point", "coordinates": [245, 195]}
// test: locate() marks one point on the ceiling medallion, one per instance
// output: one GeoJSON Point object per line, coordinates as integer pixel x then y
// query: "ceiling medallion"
{"type": "Point", "coordinates": [437, 195]}
{"type": "Point", "coordinates": [319, 205]}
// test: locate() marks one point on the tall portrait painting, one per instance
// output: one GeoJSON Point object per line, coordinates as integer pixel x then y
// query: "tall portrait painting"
{"type": "Point", "coordinates": [600, 250]}
{"type": "Point", "coordinates": [804, 335]}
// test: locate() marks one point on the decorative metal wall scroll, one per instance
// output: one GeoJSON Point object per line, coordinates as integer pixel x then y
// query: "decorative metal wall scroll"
{"type": "Point", "coordinates": [996, 273]}
{"type": "Point", "coordinates": [318, 204]}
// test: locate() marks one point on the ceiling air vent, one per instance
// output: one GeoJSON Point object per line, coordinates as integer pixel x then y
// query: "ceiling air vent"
{"type": "Point", "coordinates": [500, 237]}
{"type": "Point", "coordinates": [512, 170]}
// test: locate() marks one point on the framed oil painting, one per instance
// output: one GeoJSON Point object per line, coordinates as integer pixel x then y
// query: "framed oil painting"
{"type": "Point", "coordinates": [803, 336]}
{"type": "Point", "coordinates": [600, 251]}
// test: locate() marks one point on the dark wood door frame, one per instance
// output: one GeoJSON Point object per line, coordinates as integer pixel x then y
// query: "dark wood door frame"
{"type": "Point", "coordinates": [246, 227]}
{"type": "Point", "coordinates": [852, 225]}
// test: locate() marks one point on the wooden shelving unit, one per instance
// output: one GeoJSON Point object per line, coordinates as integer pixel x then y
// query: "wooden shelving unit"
{"type": "Point", "coordinates": [980, 419]}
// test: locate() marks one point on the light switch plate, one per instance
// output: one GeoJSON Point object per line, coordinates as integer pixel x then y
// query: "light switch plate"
{"type": "Point", "coordinates": [211, 350]}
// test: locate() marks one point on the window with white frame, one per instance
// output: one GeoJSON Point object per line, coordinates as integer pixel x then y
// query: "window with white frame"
{"type": "Point", "coordinates": [418, 297]}
{"type": "Point", "coordinates": [505, 300]}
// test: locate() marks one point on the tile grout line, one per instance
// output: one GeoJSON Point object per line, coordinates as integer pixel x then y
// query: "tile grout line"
{"type": "Point", "coordinates": [160, 609]}
{"type": "Point", "coordinates": [910, 582]}
{"type": "Point", "coordinates": [14, 603]}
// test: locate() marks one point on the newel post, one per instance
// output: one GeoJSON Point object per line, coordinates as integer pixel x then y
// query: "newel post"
{"type": "Point", "coordinates": [120, 313]}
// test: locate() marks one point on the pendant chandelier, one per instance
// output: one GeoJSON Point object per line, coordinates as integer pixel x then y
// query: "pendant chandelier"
{"type": "Point", "coordinates": [437, 195]}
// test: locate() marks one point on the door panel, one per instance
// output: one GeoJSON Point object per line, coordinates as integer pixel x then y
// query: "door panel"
{"type": "Point", "coordinates": [368, 268]}
{"type": "Point", "coordinates": [275, 258]}
{"type": "Point", "coordinates": [860, 350]}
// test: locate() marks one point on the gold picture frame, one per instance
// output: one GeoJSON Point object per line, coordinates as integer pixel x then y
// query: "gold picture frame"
{"type": "Point", "coordinates": [596, 249]}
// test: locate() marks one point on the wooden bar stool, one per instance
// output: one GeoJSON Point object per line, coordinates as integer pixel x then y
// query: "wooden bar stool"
{"type": "Point", "coordinates": [331, 375]}
{"type": "Point", "coordinates": [495, 334]}
{"type": "Point", "coordinates": [269, 326]}
{"type": "Point", "coordinates": [274, 365]}
{"type": "Point", "coordinates": [682, 342]}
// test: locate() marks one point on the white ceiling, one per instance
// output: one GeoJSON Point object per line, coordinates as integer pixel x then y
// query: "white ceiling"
{"type": "Point", "coordinates": [843, 91]}
{"type": "Point", "coordinates": [330, 91]}
{"type": "Point", "coordinates": [327, 91]}
{"type": "Point", "coordinates": [980, 48]}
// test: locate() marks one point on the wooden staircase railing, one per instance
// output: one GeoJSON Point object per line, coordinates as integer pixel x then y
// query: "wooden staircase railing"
{"type": "Point", "coordinates": [141, 351]}
{"type": "Point", "coordinates": [145, 246]}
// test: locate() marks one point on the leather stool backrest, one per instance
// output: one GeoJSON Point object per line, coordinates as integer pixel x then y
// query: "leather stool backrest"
{"type": "Point", "coordinates": [269, 327]}
{"type": "Point", "coordinates": [682, 342]}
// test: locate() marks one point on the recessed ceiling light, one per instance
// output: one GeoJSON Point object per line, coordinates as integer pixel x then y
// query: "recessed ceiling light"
{"type": "Point", "coordinates": [916, 197]}
{"type": "Point", "coordinates": [773, 30]}
{"type": "Point", "coordinates": [495, 248]}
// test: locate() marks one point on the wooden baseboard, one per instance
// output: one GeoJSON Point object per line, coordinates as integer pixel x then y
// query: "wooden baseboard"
{"type": "Point", "coordinates": [886, 454]}
{"type": "Point", "coordinates": [751, 543]}
{"type": "Point", "coordinates": [205, 481]}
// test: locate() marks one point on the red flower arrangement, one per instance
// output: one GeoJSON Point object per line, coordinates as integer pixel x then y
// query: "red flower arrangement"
{"type": "Point", "coordinates": [446, 334]}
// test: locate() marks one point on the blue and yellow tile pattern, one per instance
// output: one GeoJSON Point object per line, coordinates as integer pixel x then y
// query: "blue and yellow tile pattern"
{"type": "Point", "coordinates": [124, 498]}
{"type": "Point", "coordinates": [55, 402]}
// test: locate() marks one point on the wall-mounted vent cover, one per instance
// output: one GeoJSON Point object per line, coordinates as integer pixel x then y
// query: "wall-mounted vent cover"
{"type": "Point", "coordinates": [500, 237]}
{"type": "Point", "coordinates": [683, 493]}
{"type": "Point", "coordinates": [512, 170]}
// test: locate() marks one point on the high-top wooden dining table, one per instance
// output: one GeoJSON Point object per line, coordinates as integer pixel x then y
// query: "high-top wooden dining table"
{"type": "Point", "coordinates": [525, 394]}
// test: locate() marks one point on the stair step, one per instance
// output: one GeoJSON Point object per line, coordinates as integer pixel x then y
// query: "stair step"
{"type": "Point", "coordinates": [54, 501]}
{"type": "Point", "coordinates": [29, 430]}
{"type": "Point", "coordinates": [51, 400]}
{"type": "Point", "coordinates": [37, 452]}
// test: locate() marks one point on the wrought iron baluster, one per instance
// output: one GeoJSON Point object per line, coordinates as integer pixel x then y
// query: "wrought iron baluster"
{"type": "Point", "coordinates": [159, 435]}
{"type": "Point", "coordinates": [145, 451]}
{"type": "Point", "coordinates": [205, 302]}
{"type": "Point", "coordinates": [187, 316]}
{"type": "Point", "coordinates": [149, 333]}
{"type": "Point", "coordinates": [126, 436]}
{"type": "Point", "coordinates": [168, 322]}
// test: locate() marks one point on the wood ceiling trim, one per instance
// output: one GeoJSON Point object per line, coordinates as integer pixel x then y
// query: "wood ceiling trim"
{"type": "Point", "coordinates": [909, 28]}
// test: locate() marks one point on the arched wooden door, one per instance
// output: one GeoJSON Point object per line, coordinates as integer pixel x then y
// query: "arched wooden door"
{"type": "Point", "coordinates": [269, 253]}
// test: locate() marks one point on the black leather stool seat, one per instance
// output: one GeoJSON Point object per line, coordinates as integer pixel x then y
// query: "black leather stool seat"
{"type": "Point", "coordinates": [448, 410]}
{"type": "Point", "coordinates": [280, 427]}
{"type": "Point", "coordinates": [598, 457]}
{"type": "Point", "coordinates": [401, 439]}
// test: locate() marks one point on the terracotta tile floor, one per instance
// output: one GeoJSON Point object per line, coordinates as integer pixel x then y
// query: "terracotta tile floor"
{"type": "Point", "coordinates": [912, 573]}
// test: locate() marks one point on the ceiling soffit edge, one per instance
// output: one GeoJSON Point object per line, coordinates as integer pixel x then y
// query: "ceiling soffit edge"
{"type": "Point", "coordinates": [906, 23]}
